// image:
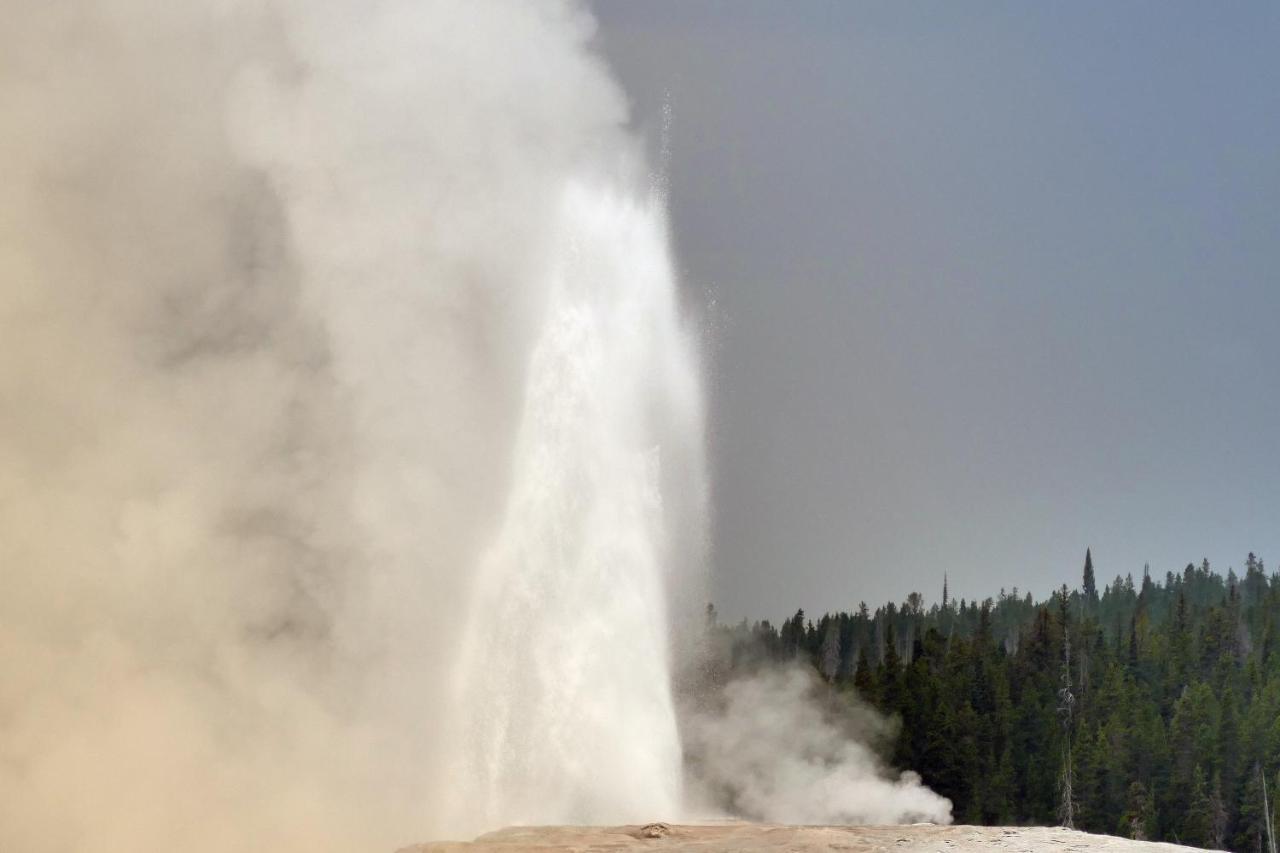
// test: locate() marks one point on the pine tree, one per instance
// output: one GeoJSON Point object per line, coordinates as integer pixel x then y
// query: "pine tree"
{"type": "Point", "coordinates": [1217, 815]}
{"type": "Point", "coordinates": [829, 662]}
{"type": "Point", "coordinates": [1138, 821]}
{"type": "Point", "coordinates": [1066, 708]}
{"type": "Point", "coordinates": [864, 680]}
{"type": "Point", "coordinates": [1090, 584]}
{"type": "Point", "coordinates": [1197, 823]}
{"type": "Point", "coordinates": [890, 676]}
{"type": "Point", "coordinates": [792, 634]}
{"type": "Point", "coordinates": [1227, 750]}
{"type": "Point", "coordinates": [1251, 831]}
{"type": "Point", "coordinates": [1179, 646]}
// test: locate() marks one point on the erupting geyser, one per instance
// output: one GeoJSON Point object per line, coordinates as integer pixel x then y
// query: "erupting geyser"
{"type": "Point", "coordinates": [567, 677]}
{"type": "Point", "coordinates": [351, 442]}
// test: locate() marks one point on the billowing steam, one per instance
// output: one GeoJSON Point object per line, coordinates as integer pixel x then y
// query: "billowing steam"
{"type": "Point", "coordinates": [350, 445]}
{"type": "Point", "coordinates": [772, 749]}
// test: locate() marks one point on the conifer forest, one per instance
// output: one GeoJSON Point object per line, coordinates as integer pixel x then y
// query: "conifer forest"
{"type": "Point", "coordinates": [1145, 708]}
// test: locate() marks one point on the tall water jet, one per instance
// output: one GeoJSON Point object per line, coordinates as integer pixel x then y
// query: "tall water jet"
{"type": "Point", "coordinates": [566, 674]}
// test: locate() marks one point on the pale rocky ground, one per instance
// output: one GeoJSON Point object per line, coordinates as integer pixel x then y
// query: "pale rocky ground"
{"type": "Point", "coordinates": [732, 836]}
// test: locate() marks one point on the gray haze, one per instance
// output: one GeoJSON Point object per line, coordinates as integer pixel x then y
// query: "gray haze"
{"type": "Point", "coordinates": [986, 284]}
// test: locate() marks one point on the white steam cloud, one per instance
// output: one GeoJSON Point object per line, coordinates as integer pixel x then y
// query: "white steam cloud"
{"type": "Point", "coordinates": [773, 749]}
{"type": "Point", "coordinates": [270, 277]}
{"type": "Point", "coordinates": [350, 445]}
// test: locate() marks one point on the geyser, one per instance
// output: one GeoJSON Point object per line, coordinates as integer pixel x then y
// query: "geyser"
{"type": "Point", "coordinates": [567, 668]}
{"type": "Point", "coordinates": [351, 443]}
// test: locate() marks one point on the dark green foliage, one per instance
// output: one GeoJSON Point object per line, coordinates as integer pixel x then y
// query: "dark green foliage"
{"type": "Point", "coordinates": [1090, 585]}
{"type": "Point", "coordinates": [1197, 821]}
{"type": "Point", "coordinates": [1176, 689]}
{"type": "Point", "coordinates": [1139, 819]}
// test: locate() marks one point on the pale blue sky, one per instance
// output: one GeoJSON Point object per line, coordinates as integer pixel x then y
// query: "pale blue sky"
{"type": "Point", "coordinates": [993, 282]}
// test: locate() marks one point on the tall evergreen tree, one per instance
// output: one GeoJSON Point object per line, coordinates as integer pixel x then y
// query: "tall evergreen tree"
{"type": "Point", "coordinates": [1090, 584]}
{"type": "Point", "coordinates": [1139, 819]}
{"type": "Point", "coordinates": [864, 679]}
{"type": "Point", "coordinates": [1197, 822]}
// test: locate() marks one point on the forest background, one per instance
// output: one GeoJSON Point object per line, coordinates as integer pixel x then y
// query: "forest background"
{"type": "Point", "coordinates": [1148, 709]}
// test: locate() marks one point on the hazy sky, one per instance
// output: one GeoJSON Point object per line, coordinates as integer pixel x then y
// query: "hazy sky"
{"type": "Point", "coordinates": [991, 283]}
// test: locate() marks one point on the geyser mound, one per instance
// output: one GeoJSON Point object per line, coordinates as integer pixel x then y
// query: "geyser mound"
{"type": "Point", "coordinates": [733, 837]}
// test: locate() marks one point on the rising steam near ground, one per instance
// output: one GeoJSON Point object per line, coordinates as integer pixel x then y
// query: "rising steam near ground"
{"type": "Point", "coordinates": [778, 746]}
{"type": "Point", "coordinates": [273, 278]}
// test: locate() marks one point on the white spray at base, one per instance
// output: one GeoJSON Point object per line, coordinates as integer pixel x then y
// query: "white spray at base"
{"type": "Point", "coordinates": [351, 449]}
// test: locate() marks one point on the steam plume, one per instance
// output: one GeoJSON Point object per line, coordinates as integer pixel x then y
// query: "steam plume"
{"type": "Point", "coordinates": [272, 274]}
{"type": "Point", "coordinates": [771, 749]}
{"type": "Point", "coordinates": [350, 442]}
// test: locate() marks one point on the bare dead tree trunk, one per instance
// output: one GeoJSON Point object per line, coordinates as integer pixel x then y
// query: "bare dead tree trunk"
{"type": "Point", "coordinates": [1066, 702]}
{"type": "Point", "coordinates": [1266, 812]}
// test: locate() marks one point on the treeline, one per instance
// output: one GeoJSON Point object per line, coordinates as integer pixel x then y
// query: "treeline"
{"type": "Point", "coordinates": [1149, 709]}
